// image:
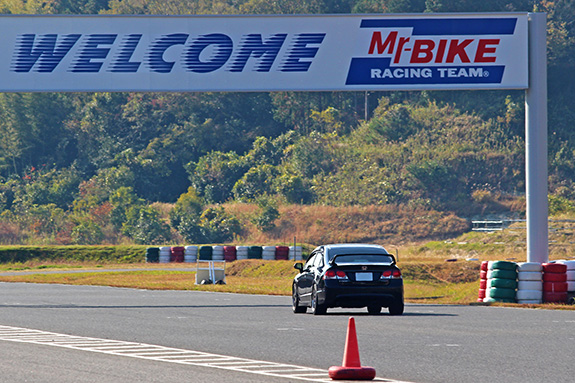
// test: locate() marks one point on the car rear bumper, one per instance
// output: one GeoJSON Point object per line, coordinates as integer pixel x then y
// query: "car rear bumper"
{"type": "Point", "coordinates": [338, 295]}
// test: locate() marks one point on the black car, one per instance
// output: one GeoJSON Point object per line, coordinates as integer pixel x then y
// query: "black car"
{"type": "Point", "coordinates": [348, 275]}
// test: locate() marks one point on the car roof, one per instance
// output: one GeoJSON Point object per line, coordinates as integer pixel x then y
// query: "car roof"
{"type": "Point", "coordinates": [353, 248]}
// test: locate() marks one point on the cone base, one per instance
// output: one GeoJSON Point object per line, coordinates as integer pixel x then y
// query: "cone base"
{"type": "Point", "coordinates": [351, 373]}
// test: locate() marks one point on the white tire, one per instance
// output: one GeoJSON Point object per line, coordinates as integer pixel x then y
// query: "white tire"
{"type": "Point", "coordinates": [570, 264]}
{"type": "Point", "coordinates": [530, 276]}
{"type": "Point", "coordinates": [191, 250]}
{"type": "Point", "coordinates": [490, 265]}
{"type": "Point", "coordinates": [530, 285]}
{"type": "Point", "coordinates": [571, 275]}
{"type": "Point", "coordinates": [530, 295]}
{"type": "Point", "coordinates": [571, 286]}
{"type": "Point", "coordinates": [269, 248]}
{"type": "Point", "coordinates": [241, 252]}
{"type": "Point", "coordinates": [529, 266]}
{"type": "Point", "coordinates": [190, 258]}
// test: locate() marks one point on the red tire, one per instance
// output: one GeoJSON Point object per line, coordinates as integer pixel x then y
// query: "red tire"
{"type": "Point", "coordinates": [554, 268]}
{"type": "Point", "coordinates": [484, 265]}
{"type": "Point", "coordinates": [555, 297]}
{"type": "Point", "coordinates": [483, 274]}
{"type": "Point", "coordinates": [555, 287]}
{"type": "Point", "coordinates": [229, 253]}
{"type": "Point", "coordinates": [482, 294]}
{"type": "Point", "coordinates": [555, 277]}
{"type": "Point", "coordinates": [483, 284]}
{"type": "Point", "coordinates": [282, 253]}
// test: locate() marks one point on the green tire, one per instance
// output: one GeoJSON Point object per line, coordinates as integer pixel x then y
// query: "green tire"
{"type": "Point", "coordinates": [500, 293]}
{"type": "Point", "coordinates": [504, 274]}
{"type": "Point", "coordinates": [503, 283]}
{"type": "Point", "coordinates": [504, 265]}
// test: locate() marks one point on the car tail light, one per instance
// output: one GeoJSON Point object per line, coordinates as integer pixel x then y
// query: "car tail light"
{"type": "Point", "coordinates": [396, 274]}
{"type": "Point", "coordinates": [330, 274]}
{"type": "Point", "coordinates": [386, 274]}
{"type": "Point", "coordinates": [335, 274]}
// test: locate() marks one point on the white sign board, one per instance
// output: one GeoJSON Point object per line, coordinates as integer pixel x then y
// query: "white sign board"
{"type": "Point", "coordinates": [263, 53]}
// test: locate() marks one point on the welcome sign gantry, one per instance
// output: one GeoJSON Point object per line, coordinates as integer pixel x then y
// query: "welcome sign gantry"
{"type": "Point", "coordinates": [294, 53]}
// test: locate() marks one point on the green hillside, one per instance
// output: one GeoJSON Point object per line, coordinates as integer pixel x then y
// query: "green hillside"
{"type": "Point", "coordinates": [158, 168]}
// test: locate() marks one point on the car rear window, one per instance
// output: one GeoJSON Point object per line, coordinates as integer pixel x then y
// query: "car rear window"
{"type": "Point", "coordinates": [355, 259]}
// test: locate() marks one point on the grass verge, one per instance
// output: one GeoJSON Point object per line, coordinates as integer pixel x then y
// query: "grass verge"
{"type": "Point", "coordinates": [447, 283]}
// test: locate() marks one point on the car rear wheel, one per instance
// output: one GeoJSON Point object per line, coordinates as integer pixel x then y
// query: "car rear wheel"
{"type": "Point", "coordinates": [316, 308]}
{"type": "Point", "coordinates": [374, 309]}
{"type": "Point", "coordinates": [396, 308]}
{"type": "Point", "coordinates": [297, 309]}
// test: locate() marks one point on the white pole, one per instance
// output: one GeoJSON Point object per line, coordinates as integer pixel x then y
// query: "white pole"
{"type": "Point", "coordinates": [536, 142]}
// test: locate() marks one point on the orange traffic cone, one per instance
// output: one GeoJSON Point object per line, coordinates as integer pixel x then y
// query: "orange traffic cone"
{"type": "Point", "coordinates": [351, 369]}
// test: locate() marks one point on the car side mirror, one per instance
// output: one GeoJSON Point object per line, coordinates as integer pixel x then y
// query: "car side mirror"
{"type": "Point", "coordinates": [298, 266]}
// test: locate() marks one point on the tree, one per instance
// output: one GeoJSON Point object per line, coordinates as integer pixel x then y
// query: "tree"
{"type": "Point", "coordinates": [265, 220]}
{"type": "Point", "coordinates": [144, 226]}
{"type": "Point", "coordinates": [215, 174]}
{"type": "Point", "coordinates": [257, 181]}
{"type": "Point", "coordinates": [217, 226]}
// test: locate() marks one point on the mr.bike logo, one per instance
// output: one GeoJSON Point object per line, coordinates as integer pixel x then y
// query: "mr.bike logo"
{"type": "Point", "coordinates": [132, 53]}
{"type": "Point", "coordinates": [405, 52]}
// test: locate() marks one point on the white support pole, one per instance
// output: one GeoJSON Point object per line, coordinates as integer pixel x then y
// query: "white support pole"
{"type": "Point", "coordinates": [536, 142]}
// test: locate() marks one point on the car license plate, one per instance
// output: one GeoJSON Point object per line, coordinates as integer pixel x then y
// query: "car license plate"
{"type": "Point", "coordinates": [363, 277]}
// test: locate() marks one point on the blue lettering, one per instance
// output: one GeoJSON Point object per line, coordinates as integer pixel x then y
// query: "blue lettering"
{"type": "Point", "coordinates": [122, 63]}
{"type": "Point", "coordinates": [47, 52]}
{"type": "Point", "coordinates": [222, 51]}
{"type": "Point", "coordinates": [155, 57]}
{"type": "Point", "coordinates": [91, 51]}
{"type": "Point", "coordinates": [300, 50]}
{"type": "Point", "coordinates": [253, 46]}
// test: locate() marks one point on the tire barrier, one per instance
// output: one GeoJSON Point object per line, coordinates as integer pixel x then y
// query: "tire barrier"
{"type": "Point", "coordinates": [255, 252]}
{"type": "Point", "coordinates": [190, 254]}
{"type": "Point", "coordinates": [554, 283]}
{"type": "Point", "coordinates": [530, 283]}
{"type": "Point", "coordinates": [241, 252]}
{"type": "Point", "coordinates": [205, 253]}
{"type": "Point", "coordinates": [282, 253]}
{"type": "Point", "coordinates": [570, 275]}
{"type": "Point", "coordinates": [230, 253]}
{"type": "Point", "coordinates": [296, 253]}
{"type": "Point", "coordinates": [152, 255]}
{"type": "Point", "coordinates": [177, 254]}
{"type": "Point", "coordinates": [227, 253]}
{"type": "Point", "coordinates": [482, 294]}
{"type": "Point", "coordinates": [217, 253]}
{"type": "Point", "coordinates": [165, 254]}
{"type": "Point", "coordinates": [501, 282]}
{"type": "Point", "coordinates": [268, 253]}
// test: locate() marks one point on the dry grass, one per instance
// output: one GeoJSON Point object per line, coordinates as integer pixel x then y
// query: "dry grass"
{"type": "Point", "coordinates": [314, 224]}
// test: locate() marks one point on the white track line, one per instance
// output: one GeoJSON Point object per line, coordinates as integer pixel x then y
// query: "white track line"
{"type": "Point", "coordinates": [167, 354]}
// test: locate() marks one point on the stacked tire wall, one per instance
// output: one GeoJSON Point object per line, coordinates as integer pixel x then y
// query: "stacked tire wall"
{"type": "Point", "coordinates": [483, 281]}
{"type": "Point", "coordinates": [501, 282]}
{"type": "Point", "coordinates": [570, 276]}
{"type": "Point", "coordinates": [191, 254]}
{"type": "Point", "coordinates": [530, 285]}
{"type": "Point", "coordinates": [554, 283]}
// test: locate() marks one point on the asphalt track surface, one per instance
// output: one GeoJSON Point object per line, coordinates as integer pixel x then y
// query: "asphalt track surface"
{"type": "Point", "coordinates": [429, 343]}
